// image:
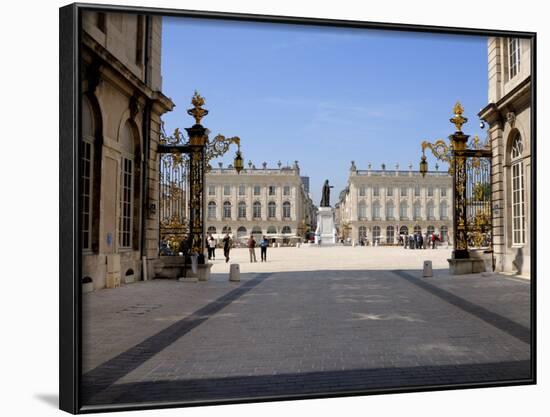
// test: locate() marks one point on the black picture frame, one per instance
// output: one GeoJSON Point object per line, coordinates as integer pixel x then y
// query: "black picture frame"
{"type": "Point", "coordinates": [70, 298]}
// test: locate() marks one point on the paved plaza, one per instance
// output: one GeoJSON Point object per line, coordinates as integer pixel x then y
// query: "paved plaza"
{"type": "Point", "coordinates": [311, 320]}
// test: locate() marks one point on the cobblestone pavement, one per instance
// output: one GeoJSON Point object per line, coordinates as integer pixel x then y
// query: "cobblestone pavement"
{"type": "Point", "coordinates": [302, 332]}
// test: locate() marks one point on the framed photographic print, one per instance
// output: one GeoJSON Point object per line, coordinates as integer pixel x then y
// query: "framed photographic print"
{"type": "Point", "coordinates": [259, 208]}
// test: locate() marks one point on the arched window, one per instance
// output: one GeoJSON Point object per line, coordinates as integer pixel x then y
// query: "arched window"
{"type": "Point", "coordinates": [376, 234]}
{"type": "Point", "coordinates": [257, 210]}
{"type": "Point", "coordinates": [88, 139]}
{"type": "Point", "coordinates": [376, 211]}
{"type": "Point", "coordinates": [518, 191]}
{"type": "Point", "coordinates": [403, 230]}
{"type": "Point", "coordinates": [286, 210]}
{"type": "Point", "coordinates": [227, 210]}
{"type": "Point", "coordinates": [389, 211]}
{"type": "Point", "coordinates": [417, 229]}
{"type": "Point", "coordinates": [271, 230]}
{"type": "Point", "coordinates": [271, 209]}
{"type": "Point", "coordinates": [430, 211]}
{"type": "Point", "coordinates": [256, 230]}
{"type": "Point", "coordinates": [390, 234]}
{"type": "Point", "coordinates": [444, 231]}
{"type": "Point", "coordinates": [226, 229]}
{"type": "Point", "coordinates": [362, 232]}
{"type": "Point", "coordinates": [362, 210]}
{"type": "Point", "coordinates": [212, 210]}
{"type": "Point", "coordinates": [241, 231]}
{"type": "Point", "coordinates": [212, 230]}
{"type": "Point", "coordinates": [403, 207]}
{"type": "Point", "coordinates": [242, 210]}
{"type": "Point", "coordinates": [431, 230]}
{"type": "Point", "coordinates": [129, 187]}
{"type": "Point", "coordinates": [443, 210]}
{"type": "Point", "coordinates": [417, 211]}
{"type": "Point", "coordinates": [286, 230]}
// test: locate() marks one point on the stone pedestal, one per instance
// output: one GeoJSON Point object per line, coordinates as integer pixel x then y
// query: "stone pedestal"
{"type": "Point", "coordinates": [466, 266]}
{"type": "Point", "coordinates": [203, 272]}
{"type": "Point", "coordinates": [326, 231]}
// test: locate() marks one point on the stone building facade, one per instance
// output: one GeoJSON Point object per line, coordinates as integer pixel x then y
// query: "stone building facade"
{"type": "Point", "coordinates": [508, 114]}
{"type": "Point", "coordinates": [121, 106]}
{"type": "Point", "coordinates": [259, 201]}
{"type": "Point", "coordinates": [379, 205]}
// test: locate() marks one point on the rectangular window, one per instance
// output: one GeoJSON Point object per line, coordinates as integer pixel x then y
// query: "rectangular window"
{"type": "Point", "coordinates": [126, 197]}
{"type": "Point", "coordinates": [87, 159]}
{"type": "Point", "coordinates": [443, 211]}
{"type": "Point", "coordinates": [242, 189]}
{"type": "Point", "coordinates": [362, 191]}
{"type": "Point", "coordinates": [286, 190]}
{"type": "Point", "coordinates": [430, 191]}
{"type": "Point", "coordinates": [518, 205]}
{"type": "Point", "coordinates": [211, 190]}
{"type": "Point", "coordinates": [226, 190]}
{"type": "Point", "coordinates": [514, 56]}
{"type": "Point", "coordinates": [417, 190]}
{"type": "Point", "coordinates": [101, 21]}
{"type": "Point", "coordinates": [389, 191]}
{"type": "Point", "coordinates": [430, 212]}
{"type": "Point", "coordinates": [376, 191]}
{"type": "Point", "coordinates": [404, 191]}
{"type": "Point", "coordinates": [443, 192]}
{"type": "Point", "coordinates": [272, 190]}
{"type": "Point", "coordinates": [389, 212]}
{"type": "Point", "coordinates": [376, 211]}
{"type": "Point", "coordinates": [140, 37]}
{"type": "Point", "coordinates": [256, 190]}
{"type": "Point", "coordinates": [271, 211]}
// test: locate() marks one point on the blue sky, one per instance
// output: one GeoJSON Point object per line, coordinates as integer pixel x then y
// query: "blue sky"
{"type": "Point", "coordinates": [323, 96]}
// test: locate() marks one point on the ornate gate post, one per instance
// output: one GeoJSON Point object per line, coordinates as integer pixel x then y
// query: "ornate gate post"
{"type": "Point", "coordinates": [469, 165]}
{"type": "Point", "coordinates": [458, 145]}
{"type": "Point", "coordinates": [198, 138]}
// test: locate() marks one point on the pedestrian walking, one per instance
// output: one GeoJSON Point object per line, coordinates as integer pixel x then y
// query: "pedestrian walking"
{"type": "Point", "coordinates": [411, 241]}
{"type": "Point", "coordinates": [433, 240]}
{"type": "Point", "coordinates": [264, 243]}
{"type": "Point", "coordinates": [211, 248]}
{"type": "Point", "coordinates": [251, 248]}
{"type": "Point", "coordinates": [227, 246]}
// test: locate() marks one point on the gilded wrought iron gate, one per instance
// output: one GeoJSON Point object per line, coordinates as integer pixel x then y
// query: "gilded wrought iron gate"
{"type": "Point", "coordinates": [173, 198]}
{"type": "Point", "coordinates": [472, 195]}
{"type": "Point", "coordinates": [478, 202]}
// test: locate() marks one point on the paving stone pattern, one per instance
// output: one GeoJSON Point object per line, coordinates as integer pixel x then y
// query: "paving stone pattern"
{"type": "Point", "coordinates": [302, 333]}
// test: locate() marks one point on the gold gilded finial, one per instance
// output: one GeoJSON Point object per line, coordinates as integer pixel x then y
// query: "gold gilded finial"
{"type": "Point", "coordinates": [458, 120]}
{"type": "Point", "coordinates": [197, 112]}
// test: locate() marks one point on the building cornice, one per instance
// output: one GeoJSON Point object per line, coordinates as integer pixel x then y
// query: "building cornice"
{"type": "Point", "coordinates": [109, 63]}
{"type": "Point", "coordinates": [516, 100]}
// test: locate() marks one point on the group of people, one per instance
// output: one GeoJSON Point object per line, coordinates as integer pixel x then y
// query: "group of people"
{"type": "Point", "coordinates": [228, 244]}
{"type": "Point", "coordinates": [417, 241]}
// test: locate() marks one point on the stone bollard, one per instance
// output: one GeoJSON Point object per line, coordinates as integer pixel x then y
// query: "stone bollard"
{"type": "Point", "coordinates": [427, 272]}
{"type": "Point", "coordinates": [234, 273]}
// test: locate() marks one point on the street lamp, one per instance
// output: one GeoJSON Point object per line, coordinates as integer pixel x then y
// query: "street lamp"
{"type": "Point", "coordinates": [219, 146]}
